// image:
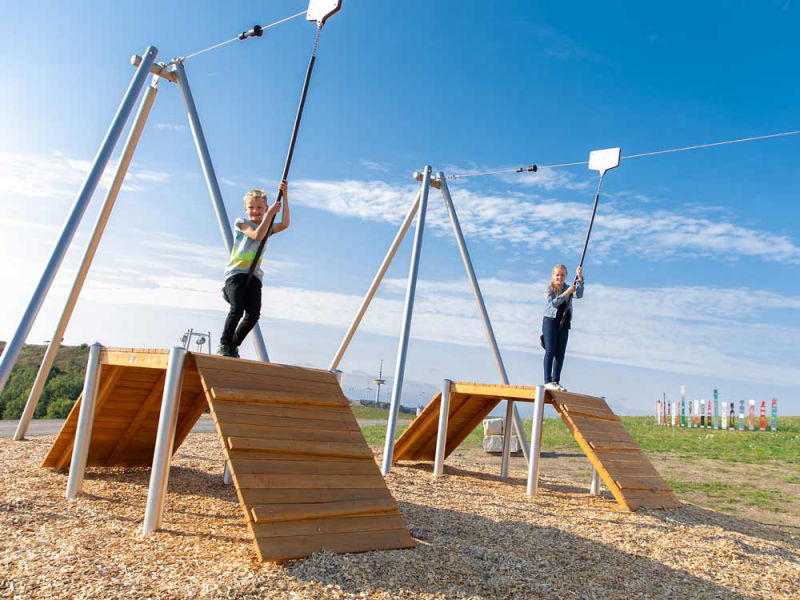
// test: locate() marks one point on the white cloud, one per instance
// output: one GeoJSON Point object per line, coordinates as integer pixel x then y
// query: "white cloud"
{"type": "Point", "coordinates": [59, 176]}
{"type": "Point", "coordinates": [529, 220]}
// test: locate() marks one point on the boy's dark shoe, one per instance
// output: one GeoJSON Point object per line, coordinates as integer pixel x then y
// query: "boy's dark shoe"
{"type": "Point", "coordinates": [234, 351]}
{"type": "Point", "coordinates": [224, 350]}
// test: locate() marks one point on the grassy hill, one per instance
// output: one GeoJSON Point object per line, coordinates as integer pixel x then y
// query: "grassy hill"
{"type": "Point", "coordinates": [64, 383]}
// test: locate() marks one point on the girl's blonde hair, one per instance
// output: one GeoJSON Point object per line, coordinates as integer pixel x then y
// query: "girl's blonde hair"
{"type": "Point", "coordinates": [553, 288]}
{"type": "Point", "coordinates": [255, 194]}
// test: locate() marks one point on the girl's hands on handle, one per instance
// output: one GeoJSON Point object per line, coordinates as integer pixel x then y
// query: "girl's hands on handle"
{"type": "Point", "coordinates": [579, 273]}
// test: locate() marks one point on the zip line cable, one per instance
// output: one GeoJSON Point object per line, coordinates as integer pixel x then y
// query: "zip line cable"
{"type": "Point", "coordinates": [534, 168]}
{"type": "Point", "coordinates": [256, 31]}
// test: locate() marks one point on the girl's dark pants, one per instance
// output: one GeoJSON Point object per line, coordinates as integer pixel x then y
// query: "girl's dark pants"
{"type": "Point", "coordinates": [245, 299]}
{"type": "Point", "coordinates": [555, 345]}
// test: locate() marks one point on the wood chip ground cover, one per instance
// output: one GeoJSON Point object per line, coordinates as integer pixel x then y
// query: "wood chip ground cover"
{"type": "Point", "coordinates": [477, 537]}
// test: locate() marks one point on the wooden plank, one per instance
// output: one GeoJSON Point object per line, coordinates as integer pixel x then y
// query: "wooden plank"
{"type": "Point", "coordinates": [273, 513]}
{"type": "Point", "coordinates": [136, 422]}
{"type": "Point", "coordinates": [291, 447]}
{"type": "Point", "coordinates": [284, 433]}
{"type": "Point", "coordinates": [266, 455]}
{"type": "Point", "coordinates": [653, 484]}
{"type": "Point", "coordinates": [406, 444]}
{"type": "Point", "coordinates": [495, 391]}
{"type": "Point", "coordinates": [242, 466]}
{"type": "Point", "coordinates": [631, 469]}
{"type": "Point", "coordinates": [585, 412]}
{"type": "Point", "coordinates": [243, 366]}
{"type": "Point", "coordinates": [260, 496]}
{"type": "Point", "coordinates": [333, 525]}
{"type": "Point", "coordinates": [151, 359]}
{"type": "Point", "coordinates": [306, 481]}
{"type": "Point", "coordinates": [614, 445]}
{"type": "Point", "coordinates": [300, 546]}
{"type": "Point", "coordinates": [225, 408]}
{"type": "Point", "coordinates": [222, 378]}
{"type": "Point", "coordinates": [282, 397]}
{"type": "Point", "coordinates": [233, 418]}
{"type": "Point", "coordinates": [590, 411]}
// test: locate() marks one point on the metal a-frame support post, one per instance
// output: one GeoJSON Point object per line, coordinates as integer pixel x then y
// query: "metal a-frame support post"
{"type": "Point", "coordinates": [14, 346]}
{"type": "Point", "coordinates": [88, 256]}
{"type": "Point", "coordinates": [420, 202]}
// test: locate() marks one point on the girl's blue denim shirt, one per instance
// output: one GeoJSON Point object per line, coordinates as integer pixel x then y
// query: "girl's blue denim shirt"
{"type": "Point", "coordinates": [553, 301]}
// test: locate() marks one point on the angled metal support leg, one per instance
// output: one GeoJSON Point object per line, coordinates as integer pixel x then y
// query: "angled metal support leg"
{"type": "Point", "coordinates": [213, 186]}
{"type": "Point", "coordinates": [441, 181]}
{"type": "Point", "coordinates": [14, 345]}
{"type": "Point", "coordinates": [88, 256]}
{"type": "Point", "coordinates": [536, 441]}
{"type": "Point", "coordinates": [165, 441]}
{"type": "Point", "coordinates": [402, 349]}
{"type": "Point", "coordinates": [83, 433]}
{"type": "Point", "coordinates": [441, 436]}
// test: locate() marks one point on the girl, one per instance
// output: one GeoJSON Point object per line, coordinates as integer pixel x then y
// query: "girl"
{"type": "Point", "coordinates": [556, 323]}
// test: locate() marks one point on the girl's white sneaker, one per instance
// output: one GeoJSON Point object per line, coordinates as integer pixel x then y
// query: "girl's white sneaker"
{"type": "Point", "coordinates": [552, 385]}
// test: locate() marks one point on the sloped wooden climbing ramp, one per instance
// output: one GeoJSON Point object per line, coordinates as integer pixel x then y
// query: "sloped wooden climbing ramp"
{"type": "Point", "coordinates": [304, 475]}
{"type": "Point", "coordinates": [619, 460]}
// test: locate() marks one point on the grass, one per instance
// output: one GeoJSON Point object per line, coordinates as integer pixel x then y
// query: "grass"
{"type": "Point", "coordinates": [730, 446]}
{"type": "Point", "coordinates": [725, 496]}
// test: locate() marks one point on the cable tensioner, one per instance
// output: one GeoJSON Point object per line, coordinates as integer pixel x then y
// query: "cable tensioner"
{"type": "Point", "coordinates": [530, 169]}
{"type": "Point", "coordinates": [256, 31]}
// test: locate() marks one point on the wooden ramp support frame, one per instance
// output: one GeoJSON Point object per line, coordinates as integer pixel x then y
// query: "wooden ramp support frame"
{"type": "Point", "coordinates": [304, 475]}
{"type": "Point", "coordinates": [615, 457]}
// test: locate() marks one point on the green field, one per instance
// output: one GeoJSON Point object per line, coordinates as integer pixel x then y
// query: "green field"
{"type": "Point", "coordinates": [732, 446]}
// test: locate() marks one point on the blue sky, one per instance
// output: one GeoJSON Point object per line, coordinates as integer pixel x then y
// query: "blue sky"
{"type": "Point", "coordinates": [692, 273]}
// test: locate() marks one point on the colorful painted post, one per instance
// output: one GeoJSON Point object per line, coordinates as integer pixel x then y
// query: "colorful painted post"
{"type": "Point", "coordinates": [741, 415]}
{"type": "Point", "coordinates": [732, 423]}
{"type": "Point", "coordinates": [773, 424]}
{"type": "Point", "coordinates": [674, 413]}
{"type": "Point", "coordinates": [683, 406]}
{"type": "Point", "coordinates": [751, 421]}
{"type": "Point", "coordinates": [762, 416]}
{"type": "Point", "coordinates": [658, 412]}
{"type": "Point", "coordinates": [668, 418]}
{"type": "Point", "coordinates": [696, 414]}
{"type": "Point", "coordinates": [702, 414]}
{"type": "Point", "coordinates": [715, 416]}
{"type": "Point", "coordinates": [723, 415]}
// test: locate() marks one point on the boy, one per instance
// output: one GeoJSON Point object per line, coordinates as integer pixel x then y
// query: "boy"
{"type": "Point", "coordinates": [244, 298]}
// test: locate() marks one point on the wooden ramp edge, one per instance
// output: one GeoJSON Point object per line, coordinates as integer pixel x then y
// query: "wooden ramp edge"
{"type": "Point", "coordinates": [127, 410]}
{"type": "Point", "coordinates": [304, 474]}
{"type": "Point", "coordinates": [623, 467]}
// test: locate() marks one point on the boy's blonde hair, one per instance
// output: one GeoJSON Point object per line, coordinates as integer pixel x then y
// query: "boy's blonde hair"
{"type": "Point", "coordinates": [255, 194]}
{"type": "Point", "coordinates": [553, 288]}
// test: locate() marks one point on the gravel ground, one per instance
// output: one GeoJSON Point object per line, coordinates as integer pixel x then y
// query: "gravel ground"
{"type": "Point", "coordinates": [477, 537]}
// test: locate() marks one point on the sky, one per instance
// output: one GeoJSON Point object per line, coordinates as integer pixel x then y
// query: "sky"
{"type": "Point", "coordinates": [691, 272]}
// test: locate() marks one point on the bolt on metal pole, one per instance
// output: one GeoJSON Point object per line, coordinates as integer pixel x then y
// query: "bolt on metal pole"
{"type": "Point", "coordinates": [83, 433]}
{"type": "Point", "coordinates": [14, 346]}
{"type": "Point", "coordinates": [88, 256]}
{"type": "Point", "coordinates": [397, 389]}
{"type": "Point", "coordinates": [441, 435]}
{"type": "Point", "coordinates": [476, 290]}
{"type": "Point", "coordinates": [213, 186]}
{"type": "Point", "coordinates": [387, 260]}
{"type": "Point", "coordinates": [165, 440]}
{"type": "Point", "coordinates": [536, 441]}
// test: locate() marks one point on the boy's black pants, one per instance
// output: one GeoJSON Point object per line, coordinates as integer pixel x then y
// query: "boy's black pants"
{"type": "Point", "coordinates": [245, 299]}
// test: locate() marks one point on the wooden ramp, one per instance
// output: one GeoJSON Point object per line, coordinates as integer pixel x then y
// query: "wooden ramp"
{"type": "Point", "coordinates": [619, 460]}
{"type": "Point", "coordinates": [304, 475]}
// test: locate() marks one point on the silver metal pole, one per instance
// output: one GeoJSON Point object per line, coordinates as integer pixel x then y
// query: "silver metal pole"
{"type": "Point", "coordinates": [88, 257]}
{"type": "Point", "coordinates": [536, 441]}
{"type": "Point", "coordinates": [14, 346]}
{"type": "Point", "coordinates": [441, 436]}
{"type": "Point", "coordinates": [213, 186]}
{"type": "Point", "coordinates": [339, 375]}
{"type": "Point", "coordinates": [595, 489]}
{"type": "Point", "coordinates": [165, 440]}
{"type": "Point", "coordinates": [83, 433]}
{"type": "Point", "coordinates": [387, 260]}
{"type": "Point", "coordinates": [476, 290]}
{"type": "Point", "coordinates": [508, 435]}
{"type": "Point", "coordinates": [388, 449]}
{"type": "Point", "coordinates": [227, 478]}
